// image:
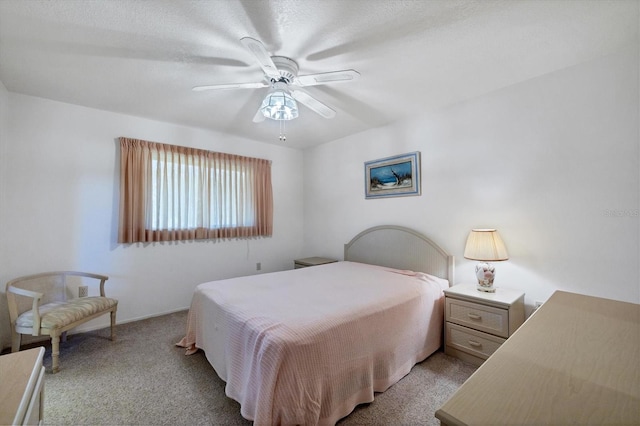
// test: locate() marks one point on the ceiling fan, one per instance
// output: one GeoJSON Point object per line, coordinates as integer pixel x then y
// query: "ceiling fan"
{"type": "Point", "coordinates": [281, 74]}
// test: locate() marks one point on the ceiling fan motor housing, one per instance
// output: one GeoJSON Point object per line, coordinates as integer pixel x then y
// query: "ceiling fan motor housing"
{"type": "Point", "coordinates": [288, 68]}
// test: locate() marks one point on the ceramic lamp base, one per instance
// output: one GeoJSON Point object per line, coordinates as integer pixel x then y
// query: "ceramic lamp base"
{"type": "Point", "coordinates": [485, 272]}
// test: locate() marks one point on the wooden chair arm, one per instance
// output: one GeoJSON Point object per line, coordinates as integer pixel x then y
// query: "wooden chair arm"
{"type": "Point", "coordinates": [13, 313]}
{"type": "Point", "coordinates": [102, 281]}
{"type": "Point", "coordinates": [23, 292]}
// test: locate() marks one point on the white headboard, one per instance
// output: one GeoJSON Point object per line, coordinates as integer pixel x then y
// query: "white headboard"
{"type": "Point", "coordinates": [400, 248]}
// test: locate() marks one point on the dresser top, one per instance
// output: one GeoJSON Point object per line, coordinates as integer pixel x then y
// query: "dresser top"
{"type": "Point", "coordinates": [17, 378]}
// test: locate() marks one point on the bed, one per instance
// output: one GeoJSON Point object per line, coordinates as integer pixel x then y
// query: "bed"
{"type": "Point", "coordinates": [306, 346]}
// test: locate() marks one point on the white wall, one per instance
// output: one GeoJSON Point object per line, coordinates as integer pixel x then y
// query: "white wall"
{"type": "Point", "coordinates": [59, 193]}
{"type": "Point", "coordinates": [4, 110]}
{"type": "Point", "coordinates": [4, 121]}
{"type": "Point", "coordinates": [552, 163]}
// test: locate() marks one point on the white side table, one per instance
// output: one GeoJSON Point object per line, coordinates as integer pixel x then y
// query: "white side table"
{"type": "Point", "coordinates": [477, 323]}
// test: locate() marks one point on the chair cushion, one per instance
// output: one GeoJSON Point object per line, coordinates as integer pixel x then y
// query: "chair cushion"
{"type": "Point", "coordinates": [60, 314]}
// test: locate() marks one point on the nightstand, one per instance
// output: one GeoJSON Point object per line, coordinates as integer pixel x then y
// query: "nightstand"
{"type": "Point", "coordinates": [477, 323]}
{"type": "Point", "coordinates": [311, 261]}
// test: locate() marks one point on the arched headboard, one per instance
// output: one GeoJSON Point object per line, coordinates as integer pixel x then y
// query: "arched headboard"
{"type": "Point", "coordinates": [400, 248]}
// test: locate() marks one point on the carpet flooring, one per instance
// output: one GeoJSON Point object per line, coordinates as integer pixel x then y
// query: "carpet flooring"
{"type": "Point", "coordinates": [143, 379]}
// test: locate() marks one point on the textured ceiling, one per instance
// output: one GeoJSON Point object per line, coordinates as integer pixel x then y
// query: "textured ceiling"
{"type": "Point", "coordinates": [142, 57]}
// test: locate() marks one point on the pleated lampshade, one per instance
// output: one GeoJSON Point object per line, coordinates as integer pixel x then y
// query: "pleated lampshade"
{"type": "Point", "coordinates": [485, 245]}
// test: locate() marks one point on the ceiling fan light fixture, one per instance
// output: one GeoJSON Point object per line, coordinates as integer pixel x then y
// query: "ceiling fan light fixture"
{"type": "Point", "coordinates": [279, 104]}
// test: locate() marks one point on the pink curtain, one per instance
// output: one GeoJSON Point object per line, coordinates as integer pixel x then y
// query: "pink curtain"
{"type": "Point", "coordinates": [170, 193]}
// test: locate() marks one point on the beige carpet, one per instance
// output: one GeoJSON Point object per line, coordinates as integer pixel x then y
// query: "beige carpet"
{"type": "Point", "coordinates": [143, 379]}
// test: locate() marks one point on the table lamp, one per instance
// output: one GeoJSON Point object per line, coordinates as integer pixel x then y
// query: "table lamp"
{"type": "Point", "coordinates": [486, 246]}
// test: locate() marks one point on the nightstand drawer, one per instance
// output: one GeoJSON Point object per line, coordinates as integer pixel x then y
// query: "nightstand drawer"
{"type": "Point", "coordinates": [479, 317]}
{"type": "Point", "coordinates": [471, 341]}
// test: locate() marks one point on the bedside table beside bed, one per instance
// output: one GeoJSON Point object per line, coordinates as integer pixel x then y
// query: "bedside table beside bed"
{"type": "Point", "coordinates": [312, 261]}
{"type": "Point", "coordinates": [477, 323]}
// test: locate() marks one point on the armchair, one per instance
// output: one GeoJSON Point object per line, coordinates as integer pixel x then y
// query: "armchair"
{"type": "Point", "coordinates": [38, 305]}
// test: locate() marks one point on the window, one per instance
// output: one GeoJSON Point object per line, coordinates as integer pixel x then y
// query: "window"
{"type": "Point", "coordinates": [170, 193]}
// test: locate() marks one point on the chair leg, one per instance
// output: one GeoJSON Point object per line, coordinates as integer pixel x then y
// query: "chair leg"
{"type": "Point", "coordinates": [113, 325]}
{"type": "Point", "coordinates": [16, 339]}
{"type": "Point", "coordinates": [55, 352]}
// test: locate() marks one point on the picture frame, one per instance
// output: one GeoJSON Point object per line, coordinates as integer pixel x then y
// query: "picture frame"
{"type": "Point", "coordinates": [397, 176]}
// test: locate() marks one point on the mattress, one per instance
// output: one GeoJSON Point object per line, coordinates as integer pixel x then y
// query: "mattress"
{"type": "Point", "coordinates": [306, 346]}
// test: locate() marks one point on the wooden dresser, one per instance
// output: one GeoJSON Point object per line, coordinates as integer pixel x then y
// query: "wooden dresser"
{"type": "Point", "coordinates": [576, 360]}
{"type": "Point", "coordinates": [22, 387]}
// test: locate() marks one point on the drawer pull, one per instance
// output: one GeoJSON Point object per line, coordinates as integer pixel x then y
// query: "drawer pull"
{"type": "Point", "coordinates": [474, 343]}
{"type": "Point", "coordinates": [474, 316]}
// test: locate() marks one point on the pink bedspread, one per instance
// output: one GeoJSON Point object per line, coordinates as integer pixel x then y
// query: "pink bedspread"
{"type": "Point", "coordinates": [306, 346]}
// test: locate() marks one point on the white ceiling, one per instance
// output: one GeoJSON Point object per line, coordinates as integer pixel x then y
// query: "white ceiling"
{"type": "Point", "coordinates": [142, 57]}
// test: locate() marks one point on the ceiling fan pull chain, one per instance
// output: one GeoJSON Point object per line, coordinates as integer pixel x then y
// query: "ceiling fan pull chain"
{"type": "Point", "coordinates": [283, 136]}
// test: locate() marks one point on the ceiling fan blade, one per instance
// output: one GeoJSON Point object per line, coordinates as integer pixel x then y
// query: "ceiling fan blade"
{"type": "Point", "coordinates": [264, 59]}
{"type": "Point", "coordinates": [230, 86]}
{"type": "Point", "coordinates": [313, 104]}
{"type": "Point", "coordinates": [326, 77]}
{"type": "Point", "coordinates": [259, 117]}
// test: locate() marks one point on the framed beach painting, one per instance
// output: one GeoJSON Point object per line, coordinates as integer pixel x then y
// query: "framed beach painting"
{"type": "Point", "coordinates": [397, 176]}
